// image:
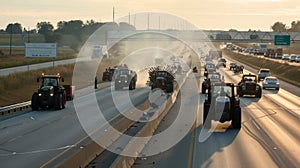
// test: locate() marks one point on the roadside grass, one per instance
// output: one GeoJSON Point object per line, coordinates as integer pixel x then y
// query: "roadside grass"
{"type": "Point", "coordinates": [18, 40]}
{"type": "Point", "coordinates": [18, 59]}
{"type": "Point", "coordinates": [286, 72]}
{"type": "Point", "coordinates": [19, 87]}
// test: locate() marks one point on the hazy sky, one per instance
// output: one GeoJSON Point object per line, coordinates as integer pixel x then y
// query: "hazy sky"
{"type": "Point", "coordinates": [205, 14]}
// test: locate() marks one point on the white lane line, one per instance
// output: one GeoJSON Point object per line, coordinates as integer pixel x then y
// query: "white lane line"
{"type": "Point", "coordinates": [253, 121]}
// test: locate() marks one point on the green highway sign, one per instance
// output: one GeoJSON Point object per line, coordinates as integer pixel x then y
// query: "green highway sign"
{"type": "Point", "coordinates": [283, 40]}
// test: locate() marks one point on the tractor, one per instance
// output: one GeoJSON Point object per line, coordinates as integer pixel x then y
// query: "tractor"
{"type": "Point", "coordinates": [249, 86]}
{"type": "Point", "coordinates": [221, 104]}
{"type": "Point", "coordinates": [50, 94]}
{"type": "Point", "coordinates": [162, 79]}
{"type": "Point", "coordinates": [125, 78]}
{"type": "Point", "coordinates": [211, 78]}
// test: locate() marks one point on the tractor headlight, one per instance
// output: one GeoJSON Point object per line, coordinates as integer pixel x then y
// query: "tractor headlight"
{"type": "Point", "coordinates": [51, 94]}
{"type": "Point", "coordinates": [40, 94]}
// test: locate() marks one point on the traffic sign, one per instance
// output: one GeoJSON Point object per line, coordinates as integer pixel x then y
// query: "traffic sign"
{"type": "Point", "coordinates": [283, 40]}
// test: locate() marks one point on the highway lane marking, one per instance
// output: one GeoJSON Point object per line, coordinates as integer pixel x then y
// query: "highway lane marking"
{"type": "Point", "coordinates": [191, 149]}
{"type": "Point", "coordinates": [78, 142]}
{"type": "Point", "coordinates": [253, 121]}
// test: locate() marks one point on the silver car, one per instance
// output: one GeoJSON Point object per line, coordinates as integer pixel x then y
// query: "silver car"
{"type": "Point", "coordinates": [262, 73]}
{"type": "Point", "coordinates": [271, 82]}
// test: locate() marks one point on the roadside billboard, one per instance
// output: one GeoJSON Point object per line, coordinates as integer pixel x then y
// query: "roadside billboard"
{"type": "Point", "coordinates": [40, 50]}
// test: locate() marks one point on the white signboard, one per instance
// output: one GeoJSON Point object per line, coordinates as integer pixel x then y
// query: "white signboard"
{"type": "Point", "coordinates": [40, 50]}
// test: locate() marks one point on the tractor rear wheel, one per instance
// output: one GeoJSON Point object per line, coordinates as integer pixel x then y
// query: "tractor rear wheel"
{"type": "Point", "coordinates": [237, 118]}
{"type": "Point", "coordinates": [169, 88]}
{"type": "Point", "coordinates": [58, 102]}
{"type": "Point", "coordinates": [35, 102]}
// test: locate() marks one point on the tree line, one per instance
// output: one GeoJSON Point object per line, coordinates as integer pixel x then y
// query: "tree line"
{"type": "Point", "coordinates": [282, 27]}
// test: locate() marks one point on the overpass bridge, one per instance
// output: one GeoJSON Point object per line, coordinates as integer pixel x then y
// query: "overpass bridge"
{"type": "Point", "coordinates": [198, 36]}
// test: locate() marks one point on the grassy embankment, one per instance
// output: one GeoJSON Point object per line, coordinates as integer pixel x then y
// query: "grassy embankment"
{"type": "Point", "coordinates": [19, 87]}
{"type": "Point", "coordinates": [283, 71]}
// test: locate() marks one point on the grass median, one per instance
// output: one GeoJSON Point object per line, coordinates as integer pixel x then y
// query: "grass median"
{"type": "Point", "coordinates": [283, 71]}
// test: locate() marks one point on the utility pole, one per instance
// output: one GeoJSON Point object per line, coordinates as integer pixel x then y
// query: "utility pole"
{"type": "Point", "coordinates": [159, 22]}
{"type": "Point", "coordinates": [28, 35]}
{"type": "Point", "coordinates": [10, 39]}
{"type": "Point", "coordinates": [113, 14]}
{"type": "Point", "coordinates": [129, 18]}
{"type": "Point", "coordinates": [148, 21]}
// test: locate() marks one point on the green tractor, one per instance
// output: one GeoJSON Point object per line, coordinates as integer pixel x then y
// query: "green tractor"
{"type": "Point", "coordinates": [222, 105]}
{"type": "Point", "coordinates": [50, 94]}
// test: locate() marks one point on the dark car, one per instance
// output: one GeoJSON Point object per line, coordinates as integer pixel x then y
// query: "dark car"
{"type": "Point", "coordinates": [248, 86]}
{"type": "Point", "coordinates": [232, 66]}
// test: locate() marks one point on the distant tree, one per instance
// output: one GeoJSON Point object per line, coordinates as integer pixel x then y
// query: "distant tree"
{"type": "Point", "coordinates": [279, 27]}
{"type": "Point", "coordinates": [233, 30]}
{"type": "Point", "coordinates": [53, 37]}
{"type": "Point", "coordinates": [44, 28]}
{"type": "Point", "coordinates": [15, 28]}
{"type": "Point", "coordinates": [73, 27]}
{"type": "Point", "coordinates": [295, 26]}
{"type": "Point", "coordinates": [91, 26]}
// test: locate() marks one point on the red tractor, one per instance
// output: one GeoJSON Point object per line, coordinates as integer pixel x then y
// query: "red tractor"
{"type": "Point", "coordinates": [161, 79]}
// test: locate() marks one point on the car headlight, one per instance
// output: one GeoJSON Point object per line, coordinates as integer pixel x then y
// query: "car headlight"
{"type": "Point", "coordinates": [126, 81]}
{"type": "Point", "coordinates": [119, 81]}
{"type": "Point", "coordinates": [51, 94]}
{"type": "Point", "coordinates": [243, 87]}
{"type": "Point", "coordinates": [40, 94]}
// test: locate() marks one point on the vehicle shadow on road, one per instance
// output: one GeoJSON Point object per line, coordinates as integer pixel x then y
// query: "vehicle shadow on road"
{"type": "Point", "coordinates": [206, 153]}
{"type": "Point", "coordinates": [269, 91]}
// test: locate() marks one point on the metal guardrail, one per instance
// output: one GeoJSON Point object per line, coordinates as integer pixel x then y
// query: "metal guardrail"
{"type": "Point", "coordinates": [14, 108]}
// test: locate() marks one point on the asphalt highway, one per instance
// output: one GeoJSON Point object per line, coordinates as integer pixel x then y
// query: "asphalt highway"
{"type": "Point", "coordinates": [34, 138]}
{"type": "Point", "coordinates": [269, 136]}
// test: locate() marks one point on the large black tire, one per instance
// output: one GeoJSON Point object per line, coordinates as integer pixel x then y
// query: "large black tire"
{"type": "Point", "coordinates": [58, 102]}
{"type": "Point", "coordinates": [237, 118]}
{"type": "Point", "coordinates": [203, 89]}
{"type": "Point", "coordinates": [259, 94]}
{"type": "Point", "coordinates": [131, 86]}
{"type": "Point", "coordinates": [64, 101]}
{"type": "Point", "coordinates": [239, 92]}
{"type": "Point", "coordinates": [169, 88]}
{"type": "Point", "coordinates": [206, 121]}
{"type": "Point", "coordinates": [35, 102]}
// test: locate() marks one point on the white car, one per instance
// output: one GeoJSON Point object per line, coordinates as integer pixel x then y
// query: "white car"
{"type": "Point", "coordinates": [293, 58]}
{"type": "Point", "coordinates": [297, 58]}
{"type": "Point", "coordinates": [271, 82]}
